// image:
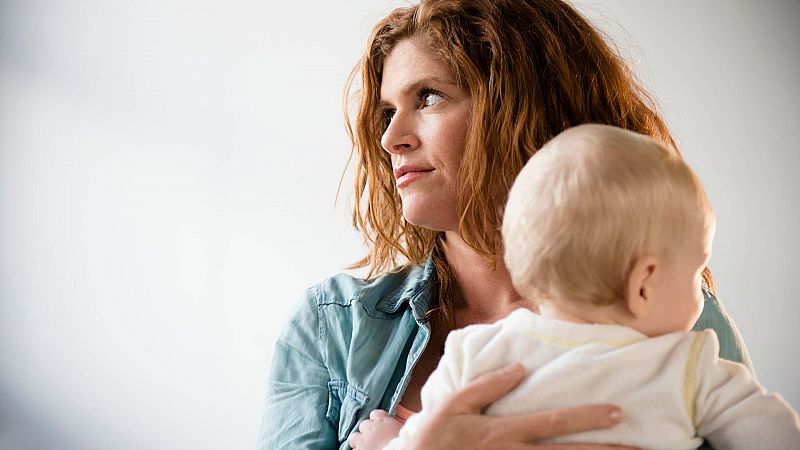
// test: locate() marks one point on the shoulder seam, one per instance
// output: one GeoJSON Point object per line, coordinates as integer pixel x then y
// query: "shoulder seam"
{"type": "Point", "coordinates": [689, 380]}
{"type": "Point", "coordinates": [321, 336]}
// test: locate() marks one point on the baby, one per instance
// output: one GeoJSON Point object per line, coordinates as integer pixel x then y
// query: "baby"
{"type": "Point", "coordinates": [607, 232]}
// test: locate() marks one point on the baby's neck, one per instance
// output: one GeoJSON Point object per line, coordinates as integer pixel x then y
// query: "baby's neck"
{"type": "Point", "coordinates": [609, 315]}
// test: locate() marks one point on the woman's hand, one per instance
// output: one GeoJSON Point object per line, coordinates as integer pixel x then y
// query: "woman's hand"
{"type": "Point", "coordinates": [375, 433]}
{"type": "Point", "coordinates": [457, 423]}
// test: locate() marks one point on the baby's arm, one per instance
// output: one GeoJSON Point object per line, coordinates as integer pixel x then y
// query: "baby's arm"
{"type": "Point", "coordinates": [733, 410]}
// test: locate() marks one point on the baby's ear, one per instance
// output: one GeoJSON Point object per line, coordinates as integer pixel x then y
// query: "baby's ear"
{"type": "Point", "coordinates": [640, 288]}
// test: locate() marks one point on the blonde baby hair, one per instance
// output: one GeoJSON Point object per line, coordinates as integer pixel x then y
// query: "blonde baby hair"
{"type": "Point", "coordinates": [589, 204]}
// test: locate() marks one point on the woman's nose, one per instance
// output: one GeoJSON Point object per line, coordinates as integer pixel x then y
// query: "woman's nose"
{"type": "Point", "coordinates": [400, 136]}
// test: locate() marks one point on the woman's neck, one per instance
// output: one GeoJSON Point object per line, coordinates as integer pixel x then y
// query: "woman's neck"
{"type": "Point", "coordinates": [483, 294]}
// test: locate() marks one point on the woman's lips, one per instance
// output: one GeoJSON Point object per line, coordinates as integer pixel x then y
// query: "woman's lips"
{"type": "Point", "coordinates": [411, 176]}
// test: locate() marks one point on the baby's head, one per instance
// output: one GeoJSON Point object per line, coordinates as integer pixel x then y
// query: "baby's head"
{"type": "Point", "coordinates": [607, 225]}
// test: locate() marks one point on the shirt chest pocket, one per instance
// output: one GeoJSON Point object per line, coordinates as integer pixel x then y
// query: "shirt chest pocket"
{"type": "Point", "coordinates": [344, 404]}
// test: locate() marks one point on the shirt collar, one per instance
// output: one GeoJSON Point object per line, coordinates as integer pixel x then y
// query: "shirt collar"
{"type": "Point", "coordinates": [416, 291]}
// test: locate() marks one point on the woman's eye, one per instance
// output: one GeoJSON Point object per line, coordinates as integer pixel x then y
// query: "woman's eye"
{"type": "Point", "coordinates": [388, 114]}
{"type": "Point", "coordinates": [430, 98]}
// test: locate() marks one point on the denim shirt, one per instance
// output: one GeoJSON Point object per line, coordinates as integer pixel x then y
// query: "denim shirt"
{"type": "Point", "coordinates": [351, 345]}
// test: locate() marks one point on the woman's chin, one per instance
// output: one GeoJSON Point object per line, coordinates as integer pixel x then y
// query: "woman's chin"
{"type": "Point", "coordinates": [430, 218]}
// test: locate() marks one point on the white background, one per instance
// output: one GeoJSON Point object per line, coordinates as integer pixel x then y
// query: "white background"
{"type": "Point", "coordinates": [168, 172]}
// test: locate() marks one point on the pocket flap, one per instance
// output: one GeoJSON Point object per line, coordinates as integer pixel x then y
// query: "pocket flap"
{"type": "Point", "coordinates": [344, 403]}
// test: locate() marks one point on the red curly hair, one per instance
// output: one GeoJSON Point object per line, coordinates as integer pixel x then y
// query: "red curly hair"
{"type": "Point", "coordinates": [533, 68]}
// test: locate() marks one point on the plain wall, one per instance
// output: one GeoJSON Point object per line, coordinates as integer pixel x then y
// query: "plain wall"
{"type": "Point", "coordinates": [168, 172]}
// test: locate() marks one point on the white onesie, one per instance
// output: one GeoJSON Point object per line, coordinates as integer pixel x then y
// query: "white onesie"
{"type": "Point", "coordinates": [673, 389]}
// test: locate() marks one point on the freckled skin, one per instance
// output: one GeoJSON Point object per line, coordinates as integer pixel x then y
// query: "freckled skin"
{"type": "Point", "coordinates": [429, 118]}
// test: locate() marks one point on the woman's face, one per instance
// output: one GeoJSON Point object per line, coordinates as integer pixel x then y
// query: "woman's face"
{"type": "Point", "coordinates": [427, 115]}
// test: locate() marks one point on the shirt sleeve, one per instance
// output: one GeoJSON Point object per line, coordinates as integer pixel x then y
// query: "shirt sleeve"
{"type": "Point", "coordinates": [732, 410]}
{"type": "Point", "coordinates": [714, 317]}
{"type": "Point", "coordinates": [297, 400]}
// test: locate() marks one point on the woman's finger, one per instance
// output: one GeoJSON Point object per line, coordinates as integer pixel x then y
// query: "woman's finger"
{"type": "Point", "coordinates": [568, 447]}
{"type": "Point", "coordinates": [578, 447]}
{"type": "Point", "coordinates": [558, 422]}
{"type": "Point", "coordinates": [484, 390]}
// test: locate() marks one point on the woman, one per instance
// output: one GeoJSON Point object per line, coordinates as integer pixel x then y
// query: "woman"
{"type": "Point", "coordinates": [455, 97]}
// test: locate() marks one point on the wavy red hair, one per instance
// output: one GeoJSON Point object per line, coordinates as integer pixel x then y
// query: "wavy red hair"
{"type": "Point", "coordinates": [533, 68]}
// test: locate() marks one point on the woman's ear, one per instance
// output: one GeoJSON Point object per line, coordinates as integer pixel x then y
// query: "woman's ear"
{"type": "Point", "coordinates": [640, 288]}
